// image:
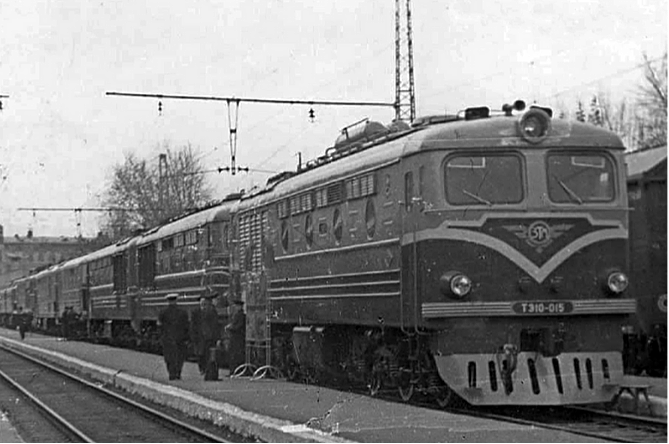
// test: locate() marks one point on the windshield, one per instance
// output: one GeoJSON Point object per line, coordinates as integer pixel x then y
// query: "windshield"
{"type": "Point", "coordinates": [483, 179]}
{"type": "Point", "coordinates": [580, 178]}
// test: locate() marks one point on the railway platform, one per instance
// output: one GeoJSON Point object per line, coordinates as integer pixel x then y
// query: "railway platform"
{"type": "Point", "coordinates": [7, 431]}
{"type": "Point", "coordinates": [274, 410]}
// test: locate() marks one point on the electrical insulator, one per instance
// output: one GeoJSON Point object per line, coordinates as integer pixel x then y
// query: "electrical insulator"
{"type": "Point", "coordinates": [160, 108]}
{"type": "Point", "coordinates": [312, 114]}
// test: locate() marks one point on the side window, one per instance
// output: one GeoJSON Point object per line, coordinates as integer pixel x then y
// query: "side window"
{"type": "Point", "coordinates": [370, 218]}
{"type": "Point", "coordinates": [337, 225]}
{"type": "Point", "coordinates": [408, 190]}
{"type": "Point", "coordinates": [285, 237]}
{"type": "Point", "coordinates": [309, 230]}
{"type": "Point", "coordinates": [226, 236]}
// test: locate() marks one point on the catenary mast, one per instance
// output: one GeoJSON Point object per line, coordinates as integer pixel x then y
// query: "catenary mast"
{"type": "Point", "coordinates": [405, 96]}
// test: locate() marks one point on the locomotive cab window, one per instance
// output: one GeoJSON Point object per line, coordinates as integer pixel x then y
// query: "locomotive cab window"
{"type": "Point", "coordinates": [483, 179]}
{"type": "Point", "coordinates": [580, 178]}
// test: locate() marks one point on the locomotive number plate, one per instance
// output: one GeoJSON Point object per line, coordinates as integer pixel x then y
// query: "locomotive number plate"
{"type": "Point", "coordinates": [543, 308]}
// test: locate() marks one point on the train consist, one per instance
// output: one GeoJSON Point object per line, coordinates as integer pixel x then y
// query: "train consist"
{"type": "Point", "coordinates": [480, 256]}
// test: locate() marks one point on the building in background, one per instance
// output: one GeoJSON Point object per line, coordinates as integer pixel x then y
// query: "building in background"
{"type": "Point", "coordinates": [21, 254]}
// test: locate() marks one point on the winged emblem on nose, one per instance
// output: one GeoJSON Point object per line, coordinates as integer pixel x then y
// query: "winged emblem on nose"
{"type": "Point", "coordinates": [538, 234]}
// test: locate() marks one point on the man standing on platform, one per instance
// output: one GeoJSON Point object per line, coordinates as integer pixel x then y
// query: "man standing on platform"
{"type": "Point", "coordinates": [237, 331]}
{"type": "Point", "coordinates": [173, 322]}
{"type": "Point", "coordinates": [205, 333]}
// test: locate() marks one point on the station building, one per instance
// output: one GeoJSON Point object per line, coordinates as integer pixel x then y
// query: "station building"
{"type": "Point", "coordinates": [21, 254]}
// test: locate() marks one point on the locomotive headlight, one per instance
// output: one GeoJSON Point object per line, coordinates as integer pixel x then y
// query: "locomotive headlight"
{"type": "Point", "coordinates": [455, 284]}
{"type": "Point", "coordinates": [617, 282]}
{"type": "Point", "coordinates": [534, 125]}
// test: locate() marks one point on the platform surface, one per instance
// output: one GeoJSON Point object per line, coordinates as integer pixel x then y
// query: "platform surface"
{"type": "Point", "coordinates": [276, 410]}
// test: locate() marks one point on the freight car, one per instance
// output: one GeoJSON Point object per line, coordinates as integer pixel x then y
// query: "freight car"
{"type": "Point", "coordinates": [646, 338]}
{"type": "Point", "coordinates": [482, 255]}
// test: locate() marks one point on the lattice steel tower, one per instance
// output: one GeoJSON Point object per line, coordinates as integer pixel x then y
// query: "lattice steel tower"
{"type": "Point", "coordinates": [405, 97]}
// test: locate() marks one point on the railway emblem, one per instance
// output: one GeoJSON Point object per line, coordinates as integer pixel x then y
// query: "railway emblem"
{"type": "Point", "coordinates": [538, 234]}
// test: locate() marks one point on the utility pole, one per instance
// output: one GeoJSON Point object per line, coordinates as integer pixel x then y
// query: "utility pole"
{"type": "Point", "coordinates": [405, 95]}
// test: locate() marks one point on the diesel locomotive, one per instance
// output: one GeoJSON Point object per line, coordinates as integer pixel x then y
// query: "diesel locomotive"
{"type": "Point", "coordinates": [480, 256]}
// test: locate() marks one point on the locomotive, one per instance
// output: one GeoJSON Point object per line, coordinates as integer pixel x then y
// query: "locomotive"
{"type": "Point", "coordinates": [480, 256]}
{"type": "Point", "coordinates": [476, 255]}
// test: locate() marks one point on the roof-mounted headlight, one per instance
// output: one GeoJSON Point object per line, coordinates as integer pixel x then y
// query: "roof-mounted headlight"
{"type": "Point", "coordinates": [455, 284]}
{"type": "Point", "coordinates": [534, 125]}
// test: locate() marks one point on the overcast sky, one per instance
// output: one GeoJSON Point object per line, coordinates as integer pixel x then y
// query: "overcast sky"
{"type": "Point", "coordinates": [60, 134]}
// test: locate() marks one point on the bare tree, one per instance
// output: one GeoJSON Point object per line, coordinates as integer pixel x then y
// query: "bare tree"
{"type": "Point", "coordinates": [652, 103]}
{"type": "Point", "coordinates": [641, 121]}
{"type": "Point", "coordinates": [149, 192]}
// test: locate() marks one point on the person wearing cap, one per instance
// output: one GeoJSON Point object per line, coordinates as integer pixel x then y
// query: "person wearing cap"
{"type": "Point", "coordinates": [205, 331]}
{"type": "Point", "coordinates": [236, 330]}
{"type": "Point", "coordinates": [173, 322]}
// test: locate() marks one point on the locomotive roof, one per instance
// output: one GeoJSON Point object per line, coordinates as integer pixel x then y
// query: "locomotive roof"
{"type": "Point", "coordinates": [499, 131]}
{"type": "Point", "coordinates": [103, 252]}
{"type": "Point", "coordinates": [219, 212]}
{"type": "Point", "coordinates": [502, 131]}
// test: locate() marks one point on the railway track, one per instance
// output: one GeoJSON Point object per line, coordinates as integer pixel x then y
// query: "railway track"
{"type": "Point", "coordinates": [582, 421]}
{"type": "Point", "coordinates": [593, 423]}
{"type": "Point", "coordinates": [82, 411]}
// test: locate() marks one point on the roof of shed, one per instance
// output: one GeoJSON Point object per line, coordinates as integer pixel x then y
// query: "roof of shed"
{"type": "Point", "coordinates": [641, 162]}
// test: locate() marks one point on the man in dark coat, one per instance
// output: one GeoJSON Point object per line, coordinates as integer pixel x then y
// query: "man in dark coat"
{"type": "Point", "coordinates": [173, 322]}
{"type": "Point", "coordinates": [67, 319]}
{"type": "Point", "coordinates": [24, 321]}
{"type": "Point", "coordinates": [205, 333]}
{"type": "Point", "coordinates": [237, 332]}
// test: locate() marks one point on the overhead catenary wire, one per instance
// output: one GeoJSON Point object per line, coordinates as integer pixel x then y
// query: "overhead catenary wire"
{"type": "Point", "coordinates": [77, 209]}
{"type": "Point", "coordinates": [599, 79]}
{"type": "Point", "coordinates": [338, 76]}
{"type": "Point", "coordinates": [233, 99]}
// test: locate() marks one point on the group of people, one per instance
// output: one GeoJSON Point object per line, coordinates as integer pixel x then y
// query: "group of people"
{"type": "Point", "coordinates": [203, 331]}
